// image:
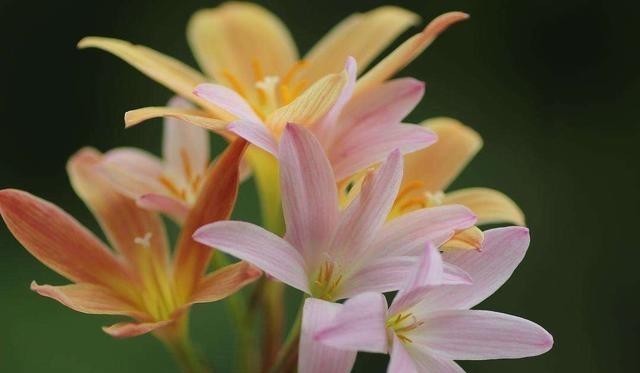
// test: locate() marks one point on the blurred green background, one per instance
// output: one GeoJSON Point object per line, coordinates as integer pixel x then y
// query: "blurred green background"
{"type": "Point", "coordinates": [552, 86]}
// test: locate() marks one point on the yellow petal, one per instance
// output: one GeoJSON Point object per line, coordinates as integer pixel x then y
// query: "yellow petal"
{"type": "Point", "coordinates": [362, 36]}
{"type": "Point", "coordinates": [311, 105]}
{"type": "Point", "coordinates": [198, 117]}
{"type": "Point", "coordinates": [166, 70]}
{"type": "Point", "coordinates": [468, 239]}
{"type": "Point", "coordinates": [489, 205]}
{"type": "Point", "coordinates": [234, 37]}
{"type": "Point", "coordinates": [408, 51]}
{"type": "Point", "coordinates": [438, 165]}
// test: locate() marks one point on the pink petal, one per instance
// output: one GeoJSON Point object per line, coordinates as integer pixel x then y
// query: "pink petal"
{"type": "Point", "coordinates": [359, 325]}
{"type": "Point", "coordinates": [315, 357]}
{"type": "Point", "coordinates": [133, 172]}
{"type": "Point", "coordinates": [400, 361]}
{"type": "Point", "coordinates": [378, 275]}
{"type": "Point", "coordinates": [361, 220]}
{"type": "Point", "coordinates": [185, 148]}
{"type": "Point", "coordinates": [489, 267]}
{"type": "Point", "coordinates": [259, 247]}
{"type": "Point", "coordinates": [362, 148]}
{"type": "Point", "coordinates": [128, 330]}
{"type": "Point", "coordinates": [173, 207]}
{"type": "Point", "coordinates": [255, 133]}
{"type": "Point", "coordinates": [481, 335]}
{"type": "Point", "coordinates": [309, 194]}
{"type": "Point", "coordinates": [409, 233]}
{"type": "Point", "coordinates": [425, 361]}
{"type": "Point", "coordinates": [228, 100]}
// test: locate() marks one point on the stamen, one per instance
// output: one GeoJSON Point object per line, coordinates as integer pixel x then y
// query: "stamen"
{"type": "Point", "coordinates": [143, 241]}
{"type": "Point", "coordinates": [258, 72]}
{"type": "Point", "coordinates": [186, 164]}
{"type": "Point", "coordinates": [401, 324]}
{"type": "Point", "coordinates": [173, 189]}
{"type": "Point", "coordinates": [234, 83]}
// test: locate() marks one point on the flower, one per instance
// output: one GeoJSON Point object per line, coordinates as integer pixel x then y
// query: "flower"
{"type": "Point", "coordinates": [333, 254]}
{"type": "Point", "coordinates": [429, 324]}
{"type": "Point", "coordinates": [138, 279]}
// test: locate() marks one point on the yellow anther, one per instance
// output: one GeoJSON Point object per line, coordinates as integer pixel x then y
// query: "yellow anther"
{"type": "Point", "coordinates": [234, 83]}
{"type": "Point", "coordinates": [258, 72]}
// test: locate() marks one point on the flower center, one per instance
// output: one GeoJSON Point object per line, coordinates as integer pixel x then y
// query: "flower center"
{"type": "Point", "coordinates": [187, 189]}
{"type": "Point", "coordinates": [403, 323]}
{"type": "Point", "coordinates": [413, 196]}
{"type": "Point", "coordinates": [327, 281]}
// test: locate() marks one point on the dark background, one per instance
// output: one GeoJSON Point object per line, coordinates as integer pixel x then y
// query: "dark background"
{"type": "Point", "coordinates": [552, 86]}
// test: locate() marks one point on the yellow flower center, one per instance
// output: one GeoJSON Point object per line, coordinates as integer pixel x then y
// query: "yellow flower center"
{"type": "Point", "coordinates": [413, 196]}
{"type": "Point", "coordinates": [327, 281]}
{"type": "Point", "coordinates": [403, 323]}
{"type": "Point", "coordinates": [185, 190]}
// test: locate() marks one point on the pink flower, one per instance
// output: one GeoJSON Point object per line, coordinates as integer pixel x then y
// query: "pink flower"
{"type": "Point", "coordinates": [332, 253]}
{"type": "Point", "coordinates": [429, 324]}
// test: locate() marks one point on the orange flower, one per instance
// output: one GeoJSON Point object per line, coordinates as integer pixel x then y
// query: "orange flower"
{"type": "Point", "coordinates": [139, 278]}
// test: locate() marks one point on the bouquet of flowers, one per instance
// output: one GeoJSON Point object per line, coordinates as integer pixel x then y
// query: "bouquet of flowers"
{"type": "Point", "coordinates": [353, 201]}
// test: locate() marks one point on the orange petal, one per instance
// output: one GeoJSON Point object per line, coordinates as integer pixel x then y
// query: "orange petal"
{"type": "Point", "coordinates": [121, 219]}
{"type": "Point", "coordinates": [438, 165]}
{"type": "Point", "coordinates": [489, 205]}
{"type": "Point", "coordinates": [407, 51]}
{"type": "Point", "coordinates": [215, 202]}
{"type": "Point", "coordinates": [194, 116]}
{"type": "Point", "coordinates": [88, 298]}
{"type": "Point", "coordinates": [225, 282]}
{"type": "Point", "coordinates": [362, 36]}
{"type": "Point", "coordinates": [235, 36]}
{"type": "Point", "coordinates": [128, 330]}
{"type": "Point", "coordinates": [165, 70]}
{"type": "Point", "coordinates": [59, 241]}
{"type": "Point", "coordinates": [468, 239]}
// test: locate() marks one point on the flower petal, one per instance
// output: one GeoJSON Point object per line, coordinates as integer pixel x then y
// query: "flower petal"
{"type": "Point", "coordinates": [400, 360]}
{"type": "Point", "coordinates": [88, 298]}
{"type": "Point", "coordinates": [224, 282]}
{"type": "Point", "coordinates": [468, 239]}
{"type": "Point", "coordinates": [128, 330]}
{"type": "Point", "coordinates": [259, 247]}
{"type": "Point", "coordinates": [363, 36]}
{"type": "Point", "coordinates": [408, 234]}
{"type": "Point", "coordinates": [215, 202]}
{"type": "Point", "coordinates": [361, 220]}
{"type": "Point", "coordinates": [438, 165]}
{"type": "Point", "coordinates": [185, 148]}
{"type": "Point", "coordinates": [59, 241]}
{"type": "Point", "coordinates": [133, 172]}
{"type": "Point", "coordinates": [425, 361]}
{"type": "Point", "coordinates": [256, 133]}
{"type": "Point", "coordinates": [173, 207]}
{"type": "Point", "coordinates": [193, 116]}
{"type": "Point", "coordinates": [236, 36]}
{"type": "Point", "coordinates": [165, 70]}
{"type": "Point", "coordinates": [311, 105]}
{"type": "Point", "coordinates": [364, 148]}
{"type": "Point", "coordinates": [481, 335]}
{"type": "Point", "coordinates": [315, 357]}
{"type": "Point", "coordinates": [489, 205]}
{"type": "Point", "coordinates": [122, 221]}
{"type": "Point", "coordinates": [428, 272]}
{"type": "Point", "coordinates": [407, 51]}
{"type": "Point", "coordinates": [359, 325]}
{"type": "Point", "coordinates": [379, 275]}
{"type": "Point", "coordinates": [309, 194]}
{"type": "Point", "coordinates": [227, 99]}
{"type": "Point", "coordinates": [489, 267]}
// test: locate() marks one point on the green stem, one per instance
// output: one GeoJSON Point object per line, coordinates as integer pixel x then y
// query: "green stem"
{"type": "Point", "coordinates": [290, 347]}
{"type": "Point", "coordinates": [186, 356]}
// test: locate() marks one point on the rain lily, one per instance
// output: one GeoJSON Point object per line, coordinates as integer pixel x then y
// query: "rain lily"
{"type": "Point", "coordinates": [139, 279]}
{"type": "Point", "coordinates": [332, 253]}
{"type": "Point", "coordinates": [429, 324]}
{"type": "Point", "coordinates": [170, 185]}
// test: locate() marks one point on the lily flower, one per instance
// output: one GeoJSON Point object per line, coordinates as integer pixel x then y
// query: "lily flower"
{"type": "Point", "coordinates": [138, 279]}
{"type": "Point", "coordinates": [170, 185]}
{"type": "Point", "coordinates": [429, 324]}
{"type": "Point", "coordinates": [331, 253]}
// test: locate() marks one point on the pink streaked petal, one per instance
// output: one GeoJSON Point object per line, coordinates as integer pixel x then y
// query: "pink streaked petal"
{"type": "Point", "coordinates": [128, 330]}
{"type": "Point", "coordinates": [88, 298]}
{"type": "Point", "coordinates": [428, 272]}
{"type": "Point", "coordinates": [490, 267]}
{"type": "Point", "coordinates": [400, 360]}
{"type": "Point", "coordinates": [362, 148]}
{"type": "Point", "coordinates": [259, 247]}
{"type": "Point", "coordinates": [325, 129]}
{"type": "Point", "coordinates": [228, 100]}
{"type": "Point", "coordinates": [382, 106]}
{"type": "Point", "coordinates": [133, 172]}
{"type": "Point", "coordinates": [173, 207]}
{"type": "Point", "coordinates": [359, 325]}
{"type": "Point", "coordinates": [378, 275]}
{"type": "Point", "coordinates": [425, 361]}
{"type": "Point", "coordinates": [361, 220]}
{"type": "Point", "coordinates": [309, 193]}
{"type": "Point", "coordinates": [256, 133]}
{"type": "Point", "coordinates": [315, 357]}
{"type": "Point", "coordinates": [185, 148]}
{"type": "Point", "coordinates": [407, 234]}
{"type": "Point", "coordinates": [481, 335]}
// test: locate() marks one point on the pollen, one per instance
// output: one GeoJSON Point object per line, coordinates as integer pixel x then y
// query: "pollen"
{"type": "Point", "coordinates": [327, 281]}
{"type": "Point", "coordinates": [403, 323]}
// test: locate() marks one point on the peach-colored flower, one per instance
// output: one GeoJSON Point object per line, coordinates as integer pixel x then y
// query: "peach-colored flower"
{"type": "Point", "coordinates": [139, 279]}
